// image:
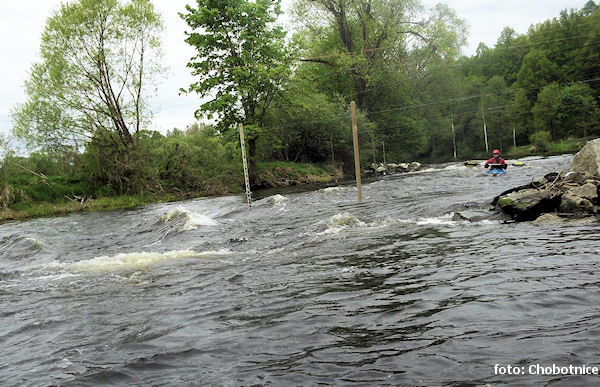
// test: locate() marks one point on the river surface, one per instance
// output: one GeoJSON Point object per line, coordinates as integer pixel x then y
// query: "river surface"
{"type": "Point", "coordinates": [306, 288]}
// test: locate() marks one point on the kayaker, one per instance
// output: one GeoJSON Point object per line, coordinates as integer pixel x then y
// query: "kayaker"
{"type": "Point", "coordinates": [496, 162]}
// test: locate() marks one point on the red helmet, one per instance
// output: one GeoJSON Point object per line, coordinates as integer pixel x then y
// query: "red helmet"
{"type": "Point", "coordinates": [496, 152]}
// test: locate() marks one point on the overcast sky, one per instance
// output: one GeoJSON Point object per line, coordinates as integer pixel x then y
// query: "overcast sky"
{"type": "Point", "coordinates": [22, 21]}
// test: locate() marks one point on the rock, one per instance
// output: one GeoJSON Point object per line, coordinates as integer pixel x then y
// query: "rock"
{"type": "Point", "coordinates": [381, 169]}
{"type": "Point", "coordinates": [575, 177]}
{"type": "Point", "coordinates": [575, 204]}
{"type": "Point", "coordinates": [479, 215]}
{"type": "Point", "coordinates": [528, 204]}
{"type": "Point", "coordinates": [471, 215]}
{"type": "Point", "coordinates": [588, 159]}
{"type": "Point", "coordinates": [548, 219]}
{"type": "Point", "coordinates": [392, 166]}
{"type": "Point", "coordinates": [592, 181]}
{"type": "Point", "coordinates": [516, 189]}
{"type": "Point", "coordinates": [587, 191]}
{"type": "Point", "coordinates": [403, 167]}
{"type": "Point", "coordinates": [414, 166]}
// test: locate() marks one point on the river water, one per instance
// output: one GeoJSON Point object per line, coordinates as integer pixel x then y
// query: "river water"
{"type": "Point", "coordinates": [307, 288]}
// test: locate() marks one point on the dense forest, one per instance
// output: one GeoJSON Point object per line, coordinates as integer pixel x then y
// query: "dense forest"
{"type": "Point", "coordinates": [86, 112]}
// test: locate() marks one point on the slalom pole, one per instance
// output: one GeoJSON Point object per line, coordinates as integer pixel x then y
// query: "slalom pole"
{"type": "Point", "coordinates": [356, 151]}
{"type": "Point", "coordinates": [245, 161]}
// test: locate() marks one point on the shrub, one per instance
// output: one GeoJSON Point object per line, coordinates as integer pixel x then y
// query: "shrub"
{"type": "Point", "coordinates": [541, 140]}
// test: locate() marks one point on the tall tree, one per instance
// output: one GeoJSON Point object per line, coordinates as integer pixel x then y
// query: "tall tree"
{"type": "Point", "coordinates": [544, 111]}
{"type": "Point", "coordinates": [576, 111]}
{"type": "Point", "coordinates": [241, 62]}
{"type": "Point", "coordinates": [98, 59]}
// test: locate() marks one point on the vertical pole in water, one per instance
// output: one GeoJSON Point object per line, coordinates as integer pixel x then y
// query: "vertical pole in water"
{"type": "Point", "coordinates": [454, 141]}
{"type": "Point", "coordinates": [356, 153]}
{"type": "Point", "coordinates": [487, 149]}
{"type": "Point", "coordinates": [383, 145]}
{"type": "Point", "coordinates": [514, 137]}
{"type": "Point", "coordinates": [245, 161]}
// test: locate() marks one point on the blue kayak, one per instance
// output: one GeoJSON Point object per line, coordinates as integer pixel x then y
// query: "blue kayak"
{"type": "Point", "coordinates": [496, 171]}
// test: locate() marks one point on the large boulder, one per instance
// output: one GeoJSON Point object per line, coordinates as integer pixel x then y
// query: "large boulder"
{"type": "Point", "coordinates": [587, 160]}
{"type": "Point", "coordinates": [574, 204]}
{"type": "Point", "coordinates": [587, 191]}
{"type": "Point", "coordinates": [528, 204]}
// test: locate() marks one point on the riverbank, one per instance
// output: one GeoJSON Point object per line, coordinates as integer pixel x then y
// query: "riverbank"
{"type": "Point", "coordinates": [271, 175]}
{"type": "Point", "coordinates": [568, 146]}
{"type": "Point", "coordinates": [557, 148]}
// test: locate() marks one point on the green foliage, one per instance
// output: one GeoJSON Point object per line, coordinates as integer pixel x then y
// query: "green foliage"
{"type": "Point", "coordinates": [544, 111]}
{"type": "Point", "coordinates": [240, 62]}
{"type": "Point", "coordinates": [96, 62]}
{"type": "Point", "coordinates": [576, 111]}
{"type": "Point", "coordinates": [541, 140]}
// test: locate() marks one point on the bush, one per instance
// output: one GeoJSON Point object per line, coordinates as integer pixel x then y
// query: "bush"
{"type": "Point", "coordinates": [541, 140]}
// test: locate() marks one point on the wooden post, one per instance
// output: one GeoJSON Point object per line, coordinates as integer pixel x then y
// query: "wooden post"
{"type": "Point", "coordinates": [515, 137]}
{"type": "Point", "coordinates": [245, 161]}
{"type": "Point", "coordinates": [383, 145]}
{"type": "Point", "coordinates": [356, 152]}
{"type": "Point", "coordinates": [487, 149]}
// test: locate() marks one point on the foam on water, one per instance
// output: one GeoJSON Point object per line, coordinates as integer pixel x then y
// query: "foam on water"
{"type": "Point", "coordinates": [277, 199]}
{"type": "Point", "coordinates": [445, 220]}
{"type": "Point", "coordinates": [274, 200]}
{"type": "Point", "coordinates": [193, 219]}
{"type": "Point", "coordinates": [337, 190]}
{"type": "Point", "coordinates": [131, 261]}
{"type": "Point", "coordinates": [339, 222]}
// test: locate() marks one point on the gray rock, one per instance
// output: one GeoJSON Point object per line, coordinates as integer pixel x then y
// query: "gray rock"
{"type": "Point", "coordinates": [414, 166]}
{"type": "Point", "coordinates": [528, 204]}
{"type": "Point", "coordinates": [588, 159]}
{"type": "Point", "coordinates": [587, 191]}
{"type": "Point", "coordinates": [575, 204]}
{"type": "Point", "coordinates": [381, 169]}
{"type": "Point", "coordinates": [403, 166]}
{"type": "Point", "coordinates": [392, 166]}
{"type": "Point", "coordinates": [575, 177]}
{"type": "Point", "coordinates": [471, 215]}
{"type": "Point", "coordinates": [548, 219]}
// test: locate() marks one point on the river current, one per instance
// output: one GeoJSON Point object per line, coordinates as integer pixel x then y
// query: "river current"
{"type": "Point", "coordinates": [306, 288]}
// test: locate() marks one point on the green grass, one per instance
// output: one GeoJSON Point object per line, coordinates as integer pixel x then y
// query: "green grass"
{"type": "Point", "coordinates": [36, 197]}
{"type": "Point", "coordinates": [554, 148]}
{"type": "Point", "coordinates": [44, 209]}
{"type": "Point", "coordinates": [292, 168]}
{"type": "Point", "coordinates": [281, 174]}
